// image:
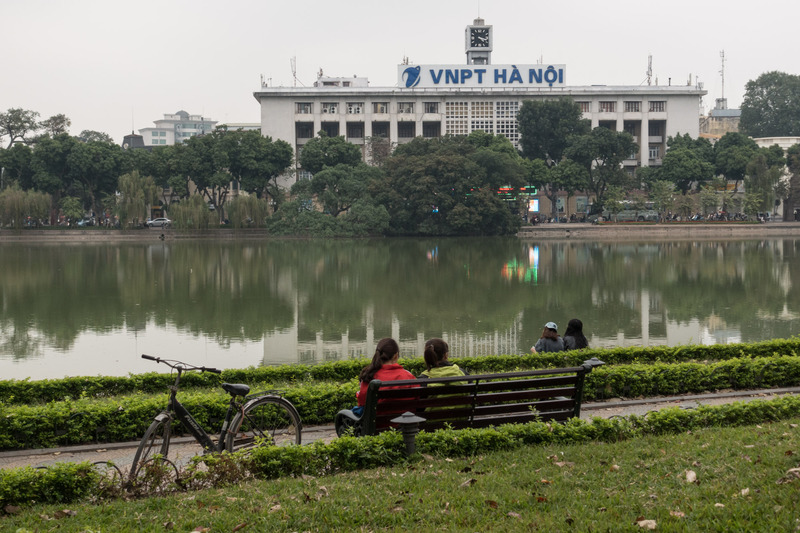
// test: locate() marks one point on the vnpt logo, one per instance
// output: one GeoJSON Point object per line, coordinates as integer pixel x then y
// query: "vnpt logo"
{"type": "Point", "coordinates": [411, 75]}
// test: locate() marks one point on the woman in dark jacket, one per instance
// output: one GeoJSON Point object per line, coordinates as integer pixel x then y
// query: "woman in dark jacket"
{"type": "Point", "coordinates": [573, 337]}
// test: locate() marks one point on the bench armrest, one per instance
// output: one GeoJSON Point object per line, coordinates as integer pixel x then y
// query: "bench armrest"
{"type": "Point", "coordinates": [346, 419]}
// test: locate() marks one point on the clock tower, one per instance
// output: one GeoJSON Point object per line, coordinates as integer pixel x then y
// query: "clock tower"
{"type": "Point", "coordinates": [478, 43]}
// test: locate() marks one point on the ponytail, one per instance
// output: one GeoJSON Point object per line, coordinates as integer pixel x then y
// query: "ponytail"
{"type": "Point", "coordinates": [384, 352]}
{"type": "Point", "coordinates": [435, 352]}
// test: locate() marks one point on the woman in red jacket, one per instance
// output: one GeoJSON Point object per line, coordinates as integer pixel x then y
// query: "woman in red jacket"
{"type": "Point", "coordinates": [383, 367]}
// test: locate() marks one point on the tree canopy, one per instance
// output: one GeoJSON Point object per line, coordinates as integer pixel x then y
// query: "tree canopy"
{"type": "Point", "coordinates": [771, 106]}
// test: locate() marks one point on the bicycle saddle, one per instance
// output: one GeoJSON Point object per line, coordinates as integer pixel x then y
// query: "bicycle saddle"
{"type": "Point", "coordinates": [236, 389]}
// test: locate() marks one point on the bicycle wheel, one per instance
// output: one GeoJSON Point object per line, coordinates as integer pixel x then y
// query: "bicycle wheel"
{"type": "Point", "coordinates": [265, 421]}
{"type": "Point", "coordinates": [155, 441]}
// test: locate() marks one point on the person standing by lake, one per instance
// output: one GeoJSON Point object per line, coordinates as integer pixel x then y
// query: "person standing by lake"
{"type": "Point", "coordinates": [573, 337]}
{"type": "Point", "coordinates": [549, 341]}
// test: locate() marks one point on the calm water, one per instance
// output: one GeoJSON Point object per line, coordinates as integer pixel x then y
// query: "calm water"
{"type": "Point", "coordinates": [92, 309]}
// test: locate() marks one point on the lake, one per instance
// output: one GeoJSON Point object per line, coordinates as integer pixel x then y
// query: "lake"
{"type": "Point", "coordinates": [93, 308]}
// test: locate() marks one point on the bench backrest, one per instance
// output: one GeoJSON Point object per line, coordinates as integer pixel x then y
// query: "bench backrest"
{"type": "Point", "coordinates": [478, 400]}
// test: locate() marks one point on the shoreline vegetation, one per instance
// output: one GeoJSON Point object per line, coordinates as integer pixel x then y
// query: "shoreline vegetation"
{"type": "Point", "coordinates": [607, 230]}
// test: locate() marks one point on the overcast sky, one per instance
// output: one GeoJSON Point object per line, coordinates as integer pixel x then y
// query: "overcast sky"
{"type": "Point", "coordinates": [114, 66]}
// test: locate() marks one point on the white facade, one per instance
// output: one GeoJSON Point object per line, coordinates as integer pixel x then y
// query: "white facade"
{"type": "Point", "coordinates": [176, 128]}
{"type": "Point", "coordinates": [437, 100]}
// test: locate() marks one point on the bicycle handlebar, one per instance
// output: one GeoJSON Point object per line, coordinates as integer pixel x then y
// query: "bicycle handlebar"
{"type": "Point", "coordinates": [175, 364]}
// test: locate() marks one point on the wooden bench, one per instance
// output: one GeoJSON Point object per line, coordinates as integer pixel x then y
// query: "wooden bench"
{"type": "Point", "coordinates": [472, 401]}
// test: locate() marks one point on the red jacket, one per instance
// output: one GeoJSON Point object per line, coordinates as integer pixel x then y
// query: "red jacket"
{"type": "Point", "coordinates": [385, 373]}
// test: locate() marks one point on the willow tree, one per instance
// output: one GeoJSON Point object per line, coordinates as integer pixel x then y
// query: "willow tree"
{"type": "Point", "coordinates": [135, 194]}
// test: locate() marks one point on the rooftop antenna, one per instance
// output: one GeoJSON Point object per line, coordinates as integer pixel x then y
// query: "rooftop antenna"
{"type": "Point", "coordinates": [293, 62]}
{"type": "Point", "coordinates": [649, 68]}
{"type": "Point", "coordinates": [722, 72]}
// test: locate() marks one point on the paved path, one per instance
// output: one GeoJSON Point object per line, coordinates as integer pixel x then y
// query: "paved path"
{"type": "Point", "coordinates": [183, 449]}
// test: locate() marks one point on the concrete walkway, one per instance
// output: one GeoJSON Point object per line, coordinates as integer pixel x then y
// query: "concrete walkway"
{"type": "Point", "coordinates": [184, 448]}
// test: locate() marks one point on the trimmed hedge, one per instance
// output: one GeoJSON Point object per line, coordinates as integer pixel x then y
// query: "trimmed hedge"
{"type": "Point", "coordinates": [73, 388]}
{"type": "Point", "coordinates": [126, 418]}
{"type": "Point", "coordinates": [24, 486]}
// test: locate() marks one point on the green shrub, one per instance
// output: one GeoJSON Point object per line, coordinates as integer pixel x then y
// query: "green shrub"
{"type": "Point", "coordinates": [66, 482]}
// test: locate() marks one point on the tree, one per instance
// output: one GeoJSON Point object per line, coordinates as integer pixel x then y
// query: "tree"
{"type": "Point", "coordinates": [545, 127]}
{"type": "Point", "coordinates": [683, 167]}
{"type": "Point", "coordinates": [16, 166]}
{"type": "Point", "coordinates": [732, 153]}
{"type": "Point", "coordinates": [96, 136]}
{"type": "Point", "coordinates": [257, 162]}
{"type": "Point", "coordinates": [95, 168]}
{"type": "Point", "coordinates": [71, 208]}
{"type": "Point", "coordinates": [18, 125]}
{"type": "Point", "coordinates": [662, 193]}
{"type": "Point", "coordinates": [763, 174]}
{"type": "Point", "coordinates": [771, 106]}
{"type": "Point", "coordinates": [324, 151]}
{"type": "Point", "coordinates": [50, 167]}
{"type": "Point", "coordinates": [444, 186]}
{"type": "Point", "coordinates": [601, 153]}
{"type": "Point", "coordinates": [614, 200]}
{"type": "Point", "coordinates": [55, 125]}
{"type": "Point", "coordinates": [339, 188]}
{"type": "Point", "coordinates": [136, 193]}
{"type": "Point", "coordinates": [205, 161]}
{"type": "Point", "coordinates": [793, 198]}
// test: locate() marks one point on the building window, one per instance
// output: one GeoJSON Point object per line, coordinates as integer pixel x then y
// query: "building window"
{"type": "Point", "coordinates": [655, 150]}
{"type": "Point", "coordinates": [304, 130]}
{"type": "Point", "coordinates": [632, 107]}
{"type": "Point", "coordinates": [431, 107]}
{"type": "Point", "coordinates": [155, 134]}
{"type": "Point", "coordinates": [355, 108]}
{"type": "Point", "coordinates": [406, 130]}
{"type": "Point", "coordinates": [658, 107]}
{"type": "Point", "coordinates": [482, 110]}
{"type": "Point", "coordinates": [355, 130]}
{"type": "Point", "coordinates": [331, 129]}
{"type": "Point", "coordinates": [483, 125]}
{"type": "Point", "coordinates": [380, 129]}
{"type": "Point", "coordinates": [330, 107]}
{"type": "Point", "coordinates": [163, 133]}
{"type": "Point", "coordinates": [304, 108]}
{"type": "Point", "coordinates": [586, 107]}
{"type": "Point", "coordinates": [506, 109]}
{"type": "Point", "coordinates": [654, 129]}
{"type": "Point", "coordinates": [380, 107]}
{"type": "Point", "coordinates": [456, 118]}
{"type": "Point", "coordinates": [405, 107]}
{"type": "Point", "coordinates": [155, 141]}
{"type": "Point", "coordinates": [431, 129]}
{"type": "Point", "coordinates": [608, 107]}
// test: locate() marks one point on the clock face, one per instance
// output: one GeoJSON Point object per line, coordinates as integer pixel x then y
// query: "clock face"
{"type": "Point", "coordinates": [479, 37]}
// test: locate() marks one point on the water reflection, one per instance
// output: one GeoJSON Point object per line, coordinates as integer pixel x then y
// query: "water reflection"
{"type": "Point", "coordinates": [92, 309]}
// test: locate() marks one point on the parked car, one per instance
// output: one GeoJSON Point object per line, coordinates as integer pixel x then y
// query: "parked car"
{"type": "Point", "coordinates": [159, 223]}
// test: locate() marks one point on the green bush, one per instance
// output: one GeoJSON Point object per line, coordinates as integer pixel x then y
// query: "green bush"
{"type": "Point", "coordinates": [42, 391]}
{"type": "Point", "coordinates": [66, 482]}
{"type": "Point", "coordinates": [126, 418]}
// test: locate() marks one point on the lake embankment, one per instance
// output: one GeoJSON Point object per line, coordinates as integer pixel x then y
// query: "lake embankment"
{"type": "Point", "coordinates": [558, 231]}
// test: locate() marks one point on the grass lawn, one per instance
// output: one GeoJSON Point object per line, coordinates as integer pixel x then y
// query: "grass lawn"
{"type": "Point", "coordinates": [730, 479]}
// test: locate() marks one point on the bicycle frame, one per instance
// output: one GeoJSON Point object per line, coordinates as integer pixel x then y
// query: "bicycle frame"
{"type": "Point", "coordinates": [189, 422]}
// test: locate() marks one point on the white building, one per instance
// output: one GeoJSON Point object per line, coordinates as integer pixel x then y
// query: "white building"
{"type": "Point", "coordinates": [437, 100]}
{"type": "Point", "coordinates": [176, 128]}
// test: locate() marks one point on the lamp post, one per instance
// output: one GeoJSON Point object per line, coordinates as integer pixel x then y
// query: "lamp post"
{"type": "Point", "coordinates": [409, 426]}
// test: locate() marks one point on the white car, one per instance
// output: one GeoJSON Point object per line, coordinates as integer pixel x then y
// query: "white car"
{"type": "Point", "coordinates": [159, 223]}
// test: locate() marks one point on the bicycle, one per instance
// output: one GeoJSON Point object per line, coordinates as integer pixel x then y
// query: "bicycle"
{"type": "Point", "coordinates": [264, 418]}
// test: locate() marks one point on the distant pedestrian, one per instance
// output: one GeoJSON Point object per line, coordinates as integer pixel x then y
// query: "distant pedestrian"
{"type": "Point", "coordinates": [549, 341]}
{"type": "Point", "coordinates": [573, 337]}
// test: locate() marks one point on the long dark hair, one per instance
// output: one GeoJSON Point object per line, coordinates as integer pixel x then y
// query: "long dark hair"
{"type": "Point", "coordinates": [384, 352]}
{"type": "Point", "coordinates": [575, 329]}
{"type": "Point", "coordinates": [435, 352]}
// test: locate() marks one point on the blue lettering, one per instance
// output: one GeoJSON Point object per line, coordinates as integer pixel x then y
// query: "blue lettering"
{"type": "Point", "coordinates": [515, 75]}
{"type": "Point", "coordinates": [436, 77]}
{"type": "Point", "coordinates": [500, 76]}
{"type": "Point", "coordinates": [480, 72]}
{"type": "Point", "coordinates": [550, 75]}
{"type": "Point", "coordinates": [465, 74]}
{"type": "Point", "coordinates": [535, 75]}
{"type": "Point", "coordinates": [451, 76]}
{"type": "Point", "coordinates": [561, 75]}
